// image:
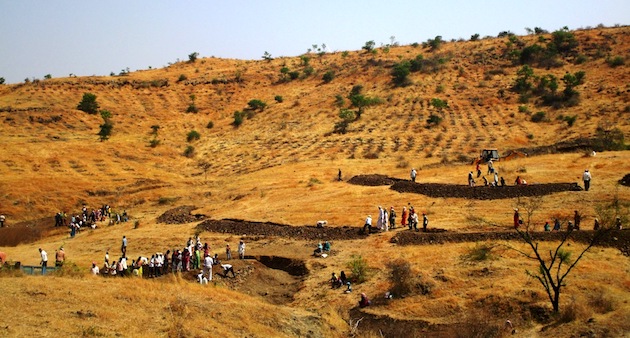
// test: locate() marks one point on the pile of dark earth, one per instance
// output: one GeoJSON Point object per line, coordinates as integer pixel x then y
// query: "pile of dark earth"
{"type": "Point", "coordinates": [180, 215]}
{"type": "Point", "coordinates": [440, 190]}
{"type": "Point", "coordinates": [619, 239]}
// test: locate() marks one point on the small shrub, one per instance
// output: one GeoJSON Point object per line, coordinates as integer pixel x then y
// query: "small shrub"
{"type": "Point", "coordinates": [278, 98]}
{"type": "Point", "coordinates": [434, 44]}
{"type": "Point", "coordinates": [523, 109]}
{"type": "Point", "coordinates": [479, 253]}
{"type": "Point", "coordinates": [572, 312]}
{"type": "Point", "coordinates": [616, 61]}
{"type": "Point", "coordinates": [154, 143]}
{"type": "Point", "coordinates": [328, 76]}
{"type": "Point", "coordinates": [308, 71]}
{"type": "Point", "coordinates": [210, 125]}
{"type": "Point", "coordinates": [189, 151]}
{"type": "Point", "coordinates": [401, 277]}
{"type": "Point", "coordinates": [192, 108]}
{"type": "Point", "coordinates": [2, 80]}
{"type": "Point", "coordinates": [339, 101]}
{"type": "Point", "coordinates": [439, 89]}
{"type": "Point", "coordinates": [256, 105]}
{"type": "Point", "coordinates": [136, 224]}
{"type": "Point", "coordinates": [193, 135]}
{"type": "Point", "coordinates": [439, 104]}
{"type": "Point", "coordinates": [580, 59]}
{"type": "Point", "coordinates": [601, 302]}
{"type": "Point", "coordinates": [238, 118]}
{"type": "Point", "coordinates": [182, 77]}
{"type": "Point", "coordinates": [345, 54]}
{"type": "Point", "coordinates": [474, 37]}
{"type": "Point", "coordinates": [294, 75]}
{"type": "Point", "coordinates": [434, 120]}
{"type": "Point", "coordinates": [425, 286]}
{"type": "Point", "coordinates": [358, 266]}
{"type": "Point", "coordinates": [312, 181]}
{"type": "Point", "coordinates": [570, 120]}
{"type": "Point", "coordinates": [539, 117]}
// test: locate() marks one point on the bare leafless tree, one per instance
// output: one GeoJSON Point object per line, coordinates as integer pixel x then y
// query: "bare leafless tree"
{"type": "Point", "coordinates": [554, 268]}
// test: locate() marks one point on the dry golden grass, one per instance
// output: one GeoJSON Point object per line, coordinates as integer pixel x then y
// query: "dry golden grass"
{"type": "Point", "coordinates": [281, 166]}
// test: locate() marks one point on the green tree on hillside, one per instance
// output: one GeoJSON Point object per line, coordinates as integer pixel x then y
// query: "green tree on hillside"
{"type": "Point", "coordinates": [88, 104]}
{"type": "Point", "coordinates": [369, 46]}
{"type": "Point", "coordinates": [192, 57]}
{"type": "Point", "coordinates": [400, 73]}
{"type": "Point", "coordinates": [361, 101]}
{"type": "Point", "coordinates": [107, 126]}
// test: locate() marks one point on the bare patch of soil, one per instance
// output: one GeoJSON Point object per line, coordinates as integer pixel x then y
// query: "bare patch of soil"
{"type": "Point", "coordinates": [26, 231]}
{"type": "Point", "coordinates": [180, 215]}
{"type": "Point", "coordinates": [275, 279]}
{"type": "Point", "coordinates": [439, 190]}
{"type": "Point", "coordinates": [241, 227]}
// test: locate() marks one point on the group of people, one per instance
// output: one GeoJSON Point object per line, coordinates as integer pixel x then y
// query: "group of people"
{"type": "Point", "coordinates": [193, 256]}
{"type": "Point", "coordinates": [322, 249]}
{"type": "Point", "coordinates": [60, 258]}
{"type": "Point", "coordinates": [89, 218]}
{"type": "Point", "coordinates": [387, 220]}
{"type": "Point", "coordinates": [557, 226]}
{"type": "Point", "coordinates": [497, 181]}
{"type": "Point", "coordinates": [337, 282]}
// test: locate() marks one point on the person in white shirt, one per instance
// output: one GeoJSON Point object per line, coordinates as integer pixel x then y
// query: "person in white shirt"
{"type": "Point", "coordinates": [413, 174]}
{"type": "Point", "coordinates": [228, 268]}
{"type": "Point", "coordinates": [201, 278]}
{"type": "Point", "coordinates": [44, 261]}
{"type": "Point", "coordinates": [241, 249]}
{"type": "Point", "coordinates": [368, 224]}
{"type": "Point", "coordinates": [94, 269]}
{"type": "Point", "coordinates": [586, 177]}
{"type": "Point", "coordinates": [207, 266]}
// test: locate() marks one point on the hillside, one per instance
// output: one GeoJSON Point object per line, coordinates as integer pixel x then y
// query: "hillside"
{"type": "Point", "coordinates": [280, 165]}
{"type": "Point", "coordinates": [48, 136]}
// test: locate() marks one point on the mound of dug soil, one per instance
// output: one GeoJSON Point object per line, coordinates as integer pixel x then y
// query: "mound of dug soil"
{"type": "Point", "coordinates": [483, 192]}
{"type": "Point", "coordinates": [440, 190]}
{"type": "Point", "coordinates": [619, 239]}
{"type": "Point", "coordinates": [625, 180]}
{"type": "Point", "coordinates": [241, 227]}
{"type": "Point", "coordinates": [373, 180]}
{"type": "Point", "coordinates": [180, 215]}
